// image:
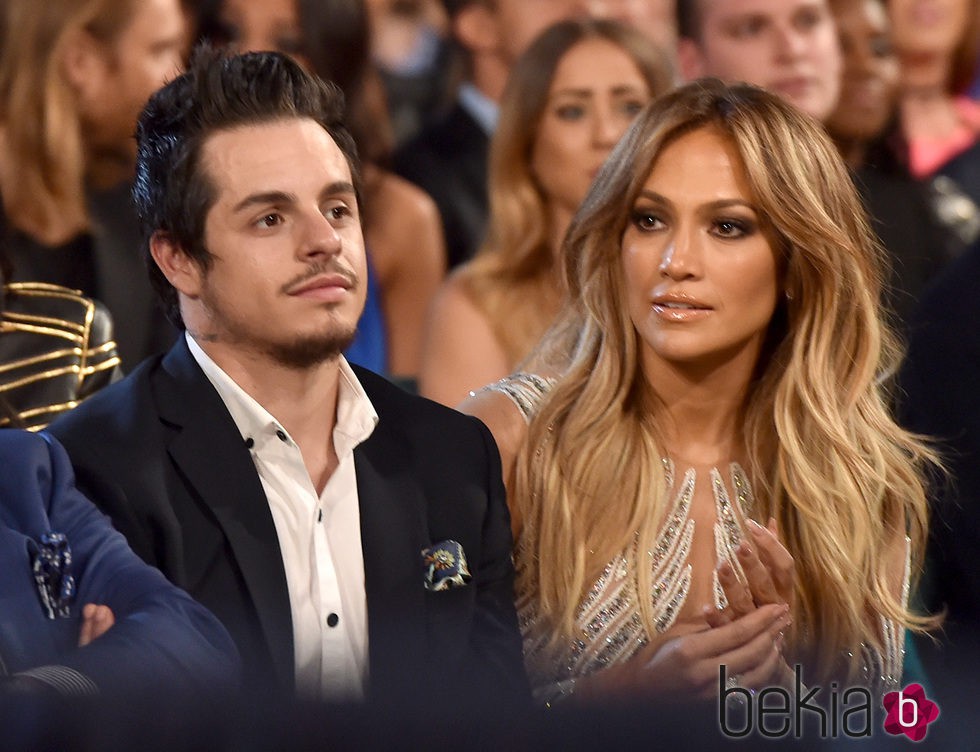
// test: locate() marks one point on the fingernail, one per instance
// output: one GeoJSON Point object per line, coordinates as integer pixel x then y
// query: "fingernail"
{"type": "Point", "coordinates": [744, 550]}
{"type": "Point", "coordinates": [754, 527]}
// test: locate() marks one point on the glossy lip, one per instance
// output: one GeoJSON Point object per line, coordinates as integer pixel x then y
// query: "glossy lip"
{"type": "Point", "coordinates": [328, 287]}
{"type": "Point", "coordinates": [662, 307]}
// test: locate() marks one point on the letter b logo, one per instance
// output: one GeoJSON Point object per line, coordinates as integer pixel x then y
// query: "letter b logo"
{"type": "Point", "coordinates": [904, 703]}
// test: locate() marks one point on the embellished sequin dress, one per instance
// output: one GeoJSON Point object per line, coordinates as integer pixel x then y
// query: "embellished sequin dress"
{"type": "Point", "coordinates": [609, 628]}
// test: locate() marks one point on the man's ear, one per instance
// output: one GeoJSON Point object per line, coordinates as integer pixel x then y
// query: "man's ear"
{"type": "Point", "coordinates": [690, 59]}
{"type": "Point", "coordinates": [476, 28]}
{"type": "Point", "coordinates": [181, 270]}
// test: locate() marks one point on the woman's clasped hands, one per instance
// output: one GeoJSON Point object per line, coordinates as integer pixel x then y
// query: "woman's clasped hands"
{"type": "Point", "coordinates": [746, 636]}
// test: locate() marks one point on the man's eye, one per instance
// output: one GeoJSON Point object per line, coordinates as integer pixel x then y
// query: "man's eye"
{"type": "Point", "coordinates": [339, 211]}
{"type": "Point", "coordinates": [270, 220]}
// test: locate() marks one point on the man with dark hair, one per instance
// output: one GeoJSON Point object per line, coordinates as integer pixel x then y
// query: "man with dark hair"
{"type": "Point", "coordinates": [353, 538]}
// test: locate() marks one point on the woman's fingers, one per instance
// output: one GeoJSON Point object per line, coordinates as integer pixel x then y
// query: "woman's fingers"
{"type": "Point", "coordinates": [738, 594]}
{"type": "Point", "coordinates": [758, 578]}
{"type": "Point", "coordinates": [775, 557]}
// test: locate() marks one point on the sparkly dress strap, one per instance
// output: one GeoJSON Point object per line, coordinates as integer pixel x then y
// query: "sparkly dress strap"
{"type": "Point", "coordinates": [894, 634]}
{"type": "Point", "coordinates": [526, 390]}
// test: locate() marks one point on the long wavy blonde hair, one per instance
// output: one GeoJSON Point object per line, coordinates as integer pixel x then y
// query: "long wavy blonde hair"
{"type": "Point", "coordinates": [39, 108]}
{"type": "Point", "coordinates": [842, 479]}
{"type": "Point", "coordinates": [512, 278]}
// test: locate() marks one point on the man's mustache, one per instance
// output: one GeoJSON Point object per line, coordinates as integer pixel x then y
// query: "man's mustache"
{"type": "Point", "coordinates": [320, 269]}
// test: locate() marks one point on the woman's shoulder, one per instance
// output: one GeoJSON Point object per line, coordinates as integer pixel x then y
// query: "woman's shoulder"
{"type": "Point", "coordinates": [403, 198]}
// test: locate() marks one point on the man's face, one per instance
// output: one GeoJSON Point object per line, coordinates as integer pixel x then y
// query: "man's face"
{"type": "Point", "coordinates": [520, 21]}
{"type": "Point", "coordinates": [655, 18]}
{"type": "Point", "coordinates": [145, 55]}
{"type": "Point", "coordinates": [789, 47]}
{"type": "Point", "coordinates": [288, 278]}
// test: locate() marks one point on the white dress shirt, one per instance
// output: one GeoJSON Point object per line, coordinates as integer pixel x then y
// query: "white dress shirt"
{"type": "Point", "coordinates": [319, 535]}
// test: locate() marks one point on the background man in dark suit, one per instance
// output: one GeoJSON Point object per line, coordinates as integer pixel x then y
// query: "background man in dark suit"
{"type": "Point", "coordinates": [939, 398]}
{"type": "Point", "coordinates": [291, 493]}
{"type": "Point", "coordinates": [448, 159]}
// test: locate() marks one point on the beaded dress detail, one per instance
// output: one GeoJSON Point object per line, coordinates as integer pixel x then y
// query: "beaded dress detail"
{"type": "Point", "coordinates": [609, 628]}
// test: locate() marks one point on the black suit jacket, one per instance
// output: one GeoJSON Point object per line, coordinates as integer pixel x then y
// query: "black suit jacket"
{"type": "Point", "coordinates": [449, 161]}
{"type": "Point", "coordinates": [940, 397]}
{"type": "Point", "coordinates": [160, 454]}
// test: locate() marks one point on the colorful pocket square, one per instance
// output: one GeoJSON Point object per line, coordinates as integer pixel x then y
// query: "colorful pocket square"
{"type": "Point", "coordinates": [445, 566]}
{"type": "Point", "coordinates": [52, 575]}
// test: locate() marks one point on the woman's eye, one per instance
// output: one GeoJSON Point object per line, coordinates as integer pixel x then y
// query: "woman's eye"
{"type": "Point", "coordinates": [647, 221]}
{"type": "Point", "coordinates": [731, 228]}
{"type": "Point", "coordinates": [633, 107]}
{"type": "Point", "coordinates": [570, 112]}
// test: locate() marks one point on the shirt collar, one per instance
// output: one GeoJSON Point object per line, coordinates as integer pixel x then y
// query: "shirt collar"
{"type": "Point", "coordinates": [356, 416]}
{"type": "Point", "coordinates": [479, 107]}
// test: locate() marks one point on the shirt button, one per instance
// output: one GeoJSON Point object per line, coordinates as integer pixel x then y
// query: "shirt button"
{"type": "Point", "coordinates": [281, 434]}
{"type": "Point", "coordinates": [249, 442]}
{"type": "Point", "coordinates": [333, 620]}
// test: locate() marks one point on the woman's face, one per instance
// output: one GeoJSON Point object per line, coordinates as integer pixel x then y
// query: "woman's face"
{"type": "Point", "coordinates": [701, 275]}
{"type": "Point", "coordinates": [269, 25]}
{"type": "Point", "coordinates": [869, 85]}
{"type": "Point", "coordinates": [596, 93]}
{"type": "Point", "coordinates": [928, 27]}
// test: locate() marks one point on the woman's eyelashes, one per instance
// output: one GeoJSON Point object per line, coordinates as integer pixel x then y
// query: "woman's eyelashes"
{"type": "Point", "coordinates": [647, 220]}
{"type": "Point", "coordinates": [731, 228]}
{"type": "Point", "coordinates": [727, 228]}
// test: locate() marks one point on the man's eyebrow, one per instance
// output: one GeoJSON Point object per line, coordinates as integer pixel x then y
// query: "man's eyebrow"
{"type": "Point", "coordinates": [265, 197]}
{"type": "Point", "coordinates": [340, 186]}
{"type": "Point", "coordinates": [283, 197]}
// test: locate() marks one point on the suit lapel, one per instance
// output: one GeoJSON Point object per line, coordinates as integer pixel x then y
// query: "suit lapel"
{"type": "Point", "coordinates": [208, 451]}
{"type": "Point", "coordinates": [393, 533]}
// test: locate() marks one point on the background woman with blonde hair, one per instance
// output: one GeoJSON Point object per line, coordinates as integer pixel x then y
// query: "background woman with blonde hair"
{"type": "Point", "coordinates": [709, 473]}
{"type": "Point", "coordinates": [74, 75]}
{"type": "Point", "coordinates": [568, 100]}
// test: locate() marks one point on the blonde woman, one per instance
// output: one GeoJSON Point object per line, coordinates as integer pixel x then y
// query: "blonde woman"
{"type": "Point", "coordinates": [74, 75]}
{"type": "Point", "coordinates": [569, 99]}
{"type": "Point", "coordinates": [701, 465]}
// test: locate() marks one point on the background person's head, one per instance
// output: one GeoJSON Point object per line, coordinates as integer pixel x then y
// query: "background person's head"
{"type": "Point", "coordinates": [569, 99]}
{"type": "Point", "coordinates": [869, 84]}
{"type": "Point", "coordinates": [173, 191]}
{"type": "Point", "coordinates": [655, 18]}
{"type": "Point", "coordinates": [494, 33]}
{"type": "Point", "coordinates": [74, 75]}
{"type": "Point", "coordinates": [789, 47]}
{"type": "Point", "coordinates": [944, 34]}
{"type": "Point", "coordinates": [330, 38]}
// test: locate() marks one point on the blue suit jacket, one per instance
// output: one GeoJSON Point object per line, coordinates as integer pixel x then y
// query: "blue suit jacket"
{"type": "Point", "coordinates": [162, 641]}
